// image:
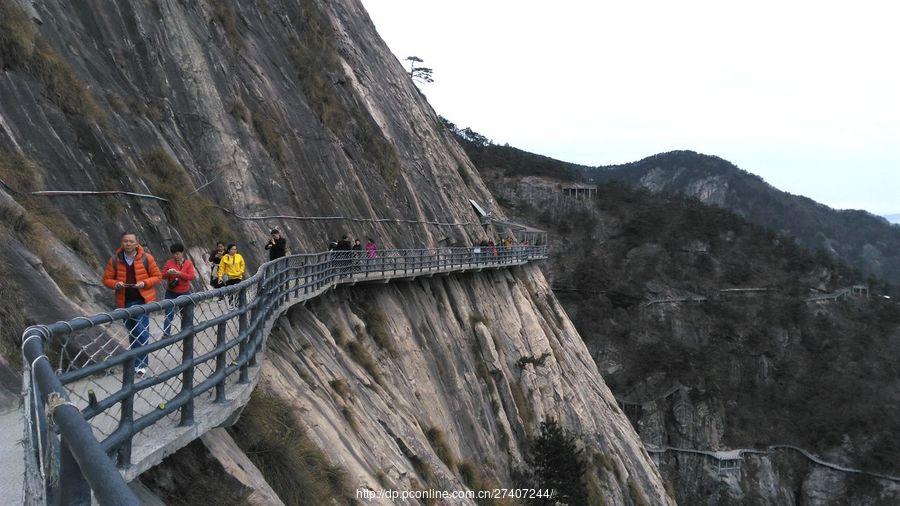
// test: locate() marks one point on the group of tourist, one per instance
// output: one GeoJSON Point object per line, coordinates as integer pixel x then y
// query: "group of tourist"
{"type": "Point", "coordinates": [134, 274]}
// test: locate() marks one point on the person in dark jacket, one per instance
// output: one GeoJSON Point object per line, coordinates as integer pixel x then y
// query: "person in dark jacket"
{"type": "Point", "coordinates": [277, 245]}
{"type": "Point", "coordinates": [343, 255]}
{"type": "Point", "coordinates": [214, 259]}
{"type": "Point", "coordinates": [357, 254]}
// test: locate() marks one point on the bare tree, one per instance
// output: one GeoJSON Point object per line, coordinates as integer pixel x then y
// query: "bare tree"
{"type": "Point", "coordinates": [420, 74]}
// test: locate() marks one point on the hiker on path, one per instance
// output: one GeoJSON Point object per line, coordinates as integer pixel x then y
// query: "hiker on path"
{"type": "Point", "coordinates": [371, 249]}
{"type": "Point", "coordinates": [231, 269]}
{"type": "Point", "coordinates": [214, 259]}
{"type": "Point", "coordinates": [343, 255]}
{"type": "Point", "coordinates": [277, 245]}
{"type": "Point", "coordinates": [133, 274]}
{"type": "Point", "coordinates": [357, 254]}
{"type": "Point", "coordinates": [178, 274]}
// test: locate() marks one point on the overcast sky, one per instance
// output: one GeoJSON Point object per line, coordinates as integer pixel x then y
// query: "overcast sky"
{"type": "Point", "coordinates": [805, 94]}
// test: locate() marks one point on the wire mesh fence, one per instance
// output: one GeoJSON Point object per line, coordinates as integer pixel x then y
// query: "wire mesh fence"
{"type": "Point", "coordinates": [139, 373]}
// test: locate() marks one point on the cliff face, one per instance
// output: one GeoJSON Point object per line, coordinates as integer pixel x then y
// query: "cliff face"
{"type": "Point", "coordinates": [237, 110]}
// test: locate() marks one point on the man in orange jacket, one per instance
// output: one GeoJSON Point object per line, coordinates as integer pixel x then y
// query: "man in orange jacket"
{"type": "Point", "coordinates": [133, 274]}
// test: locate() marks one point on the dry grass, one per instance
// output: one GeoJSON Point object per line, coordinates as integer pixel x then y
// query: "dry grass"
{"type": "Point", "coordinates": [377, 326]}
{"type": "Point", "coordinates": [17, 34]}
{"type": "Point", "coordinates": [340, 336]}
{"type": "Point", "coordinates": [239, 111]}
{"type": "Point", "coordinates": [362, 357]}
{"type": "Point", "coordinates": [475, 318]}
{"type": "Point", "coordinates": [342, 388]}
{"type": "Point", "coordinates": [270, 137]}
{"type": "Point", "coordinates": [298, 471]}
{"type": "Point", "coordinates": [192, 476]}
{"type": "Point", "coordinates": [422, 469]}
{"type": "Point", "coordinates": [316, 59]}
{"type": "Point", "coordinates": [191, 214]}
{"type": "Point", "coordinates": [61, 84]}
{"type": "Point", "coordinates": [23, 176]}
{"type": "Point", "coordinates": [383, 479]}
{"type": "Point", "coordinates": [439, 445]}
{"type": "Point", "coordinates": [348, 415]}
{"type": "Point", "coordinates": [224, 15]}
{"type": "Point", "coordinates": [637, 494]}
{"type": "Point", "coordinates": [12, 317]}
{"type": "Point", "coordinates": [23, 48]}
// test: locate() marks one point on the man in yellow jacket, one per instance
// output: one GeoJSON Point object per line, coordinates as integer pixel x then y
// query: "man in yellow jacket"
{"type": "Point", "coordinates": [231, 268]}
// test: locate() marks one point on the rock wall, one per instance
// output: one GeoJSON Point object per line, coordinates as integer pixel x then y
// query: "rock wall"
{"type": "Point", "coordinates": [241, 113]}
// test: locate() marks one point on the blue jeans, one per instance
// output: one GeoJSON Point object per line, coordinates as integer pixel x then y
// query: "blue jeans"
{"type": "Point", "coordinates": [170, 314]}
{"type": "Point", "coordinates": [138, 335]}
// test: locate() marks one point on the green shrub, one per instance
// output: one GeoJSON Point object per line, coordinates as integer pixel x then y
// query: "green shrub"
{"type": "Point", "coordinates": [271, 436]}
{"type": "Point", "coordinates": [556, 463]}
{"type": "Point", "coordinates": [439, 445]}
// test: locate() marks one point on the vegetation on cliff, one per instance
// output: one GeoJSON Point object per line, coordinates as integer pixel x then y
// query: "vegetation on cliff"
{"type": "Point", "coordinates": [775, 365]}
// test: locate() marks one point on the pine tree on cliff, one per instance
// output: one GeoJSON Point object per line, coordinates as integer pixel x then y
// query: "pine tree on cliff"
{"type": "Point", "coordinates": [421, 74]}
{"type": "Point", "coordinates": [557, 464]}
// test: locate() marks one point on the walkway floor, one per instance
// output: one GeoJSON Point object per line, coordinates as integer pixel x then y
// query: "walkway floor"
{"type": "Point", "coordinates": [12, 456]}
{"type": "Point", "coordinates": [166, 436]}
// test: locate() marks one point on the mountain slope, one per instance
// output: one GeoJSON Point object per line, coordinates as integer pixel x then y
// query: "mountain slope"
{"type": "Point", "coordinates": [657, 285]}
{"type": "Point", "coordinates": [856, 237]}
{"type": "Point", "coordinates": [240, 115]}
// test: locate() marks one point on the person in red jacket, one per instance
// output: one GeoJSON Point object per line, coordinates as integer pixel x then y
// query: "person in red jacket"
{"type": "Point", "coordinates": [178, 274]}
{"type": "Point", "coordinates": [133, 274]}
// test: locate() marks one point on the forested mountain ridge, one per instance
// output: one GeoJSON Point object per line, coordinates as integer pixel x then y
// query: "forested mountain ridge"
{"type": "Point", "coordinates": [653, 282]}
{"type": "Point", "coordinates": [857, 237]}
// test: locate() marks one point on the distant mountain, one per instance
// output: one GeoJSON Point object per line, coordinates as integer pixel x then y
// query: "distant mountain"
{"type": "Point", "coordinates": [893, 218]}
{"type": "Point", "coordinates": [861, 239]}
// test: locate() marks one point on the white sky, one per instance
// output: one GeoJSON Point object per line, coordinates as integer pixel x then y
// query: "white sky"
{"type": "Point", "coordinates": [805, 94]}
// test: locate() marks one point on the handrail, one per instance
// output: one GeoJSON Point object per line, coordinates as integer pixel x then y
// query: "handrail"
{"type": "Point", "coordinates": [200, 374]}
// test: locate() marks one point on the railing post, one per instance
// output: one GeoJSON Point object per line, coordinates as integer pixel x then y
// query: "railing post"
{"type": "Point", "coordinates": [187, 357]}
{"type": "Point", "coordinates": [244, 346]}
{"type": "Point", "coordinates": [73, 487]}
{"type": "Point", "coordinates": [123, 457]}
{"type": "Point", "coordinates": [221, 338]}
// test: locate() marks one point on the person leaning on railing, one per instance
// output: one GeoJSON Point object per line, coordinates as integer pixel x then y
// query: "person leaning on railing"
{"type": "Point", "coordinates": [133, 274]}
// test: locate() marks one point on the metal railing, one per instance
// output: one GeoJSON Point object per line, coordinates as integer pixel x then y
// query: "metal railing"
{"type": "Point", "coordinates": [91, 420]}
